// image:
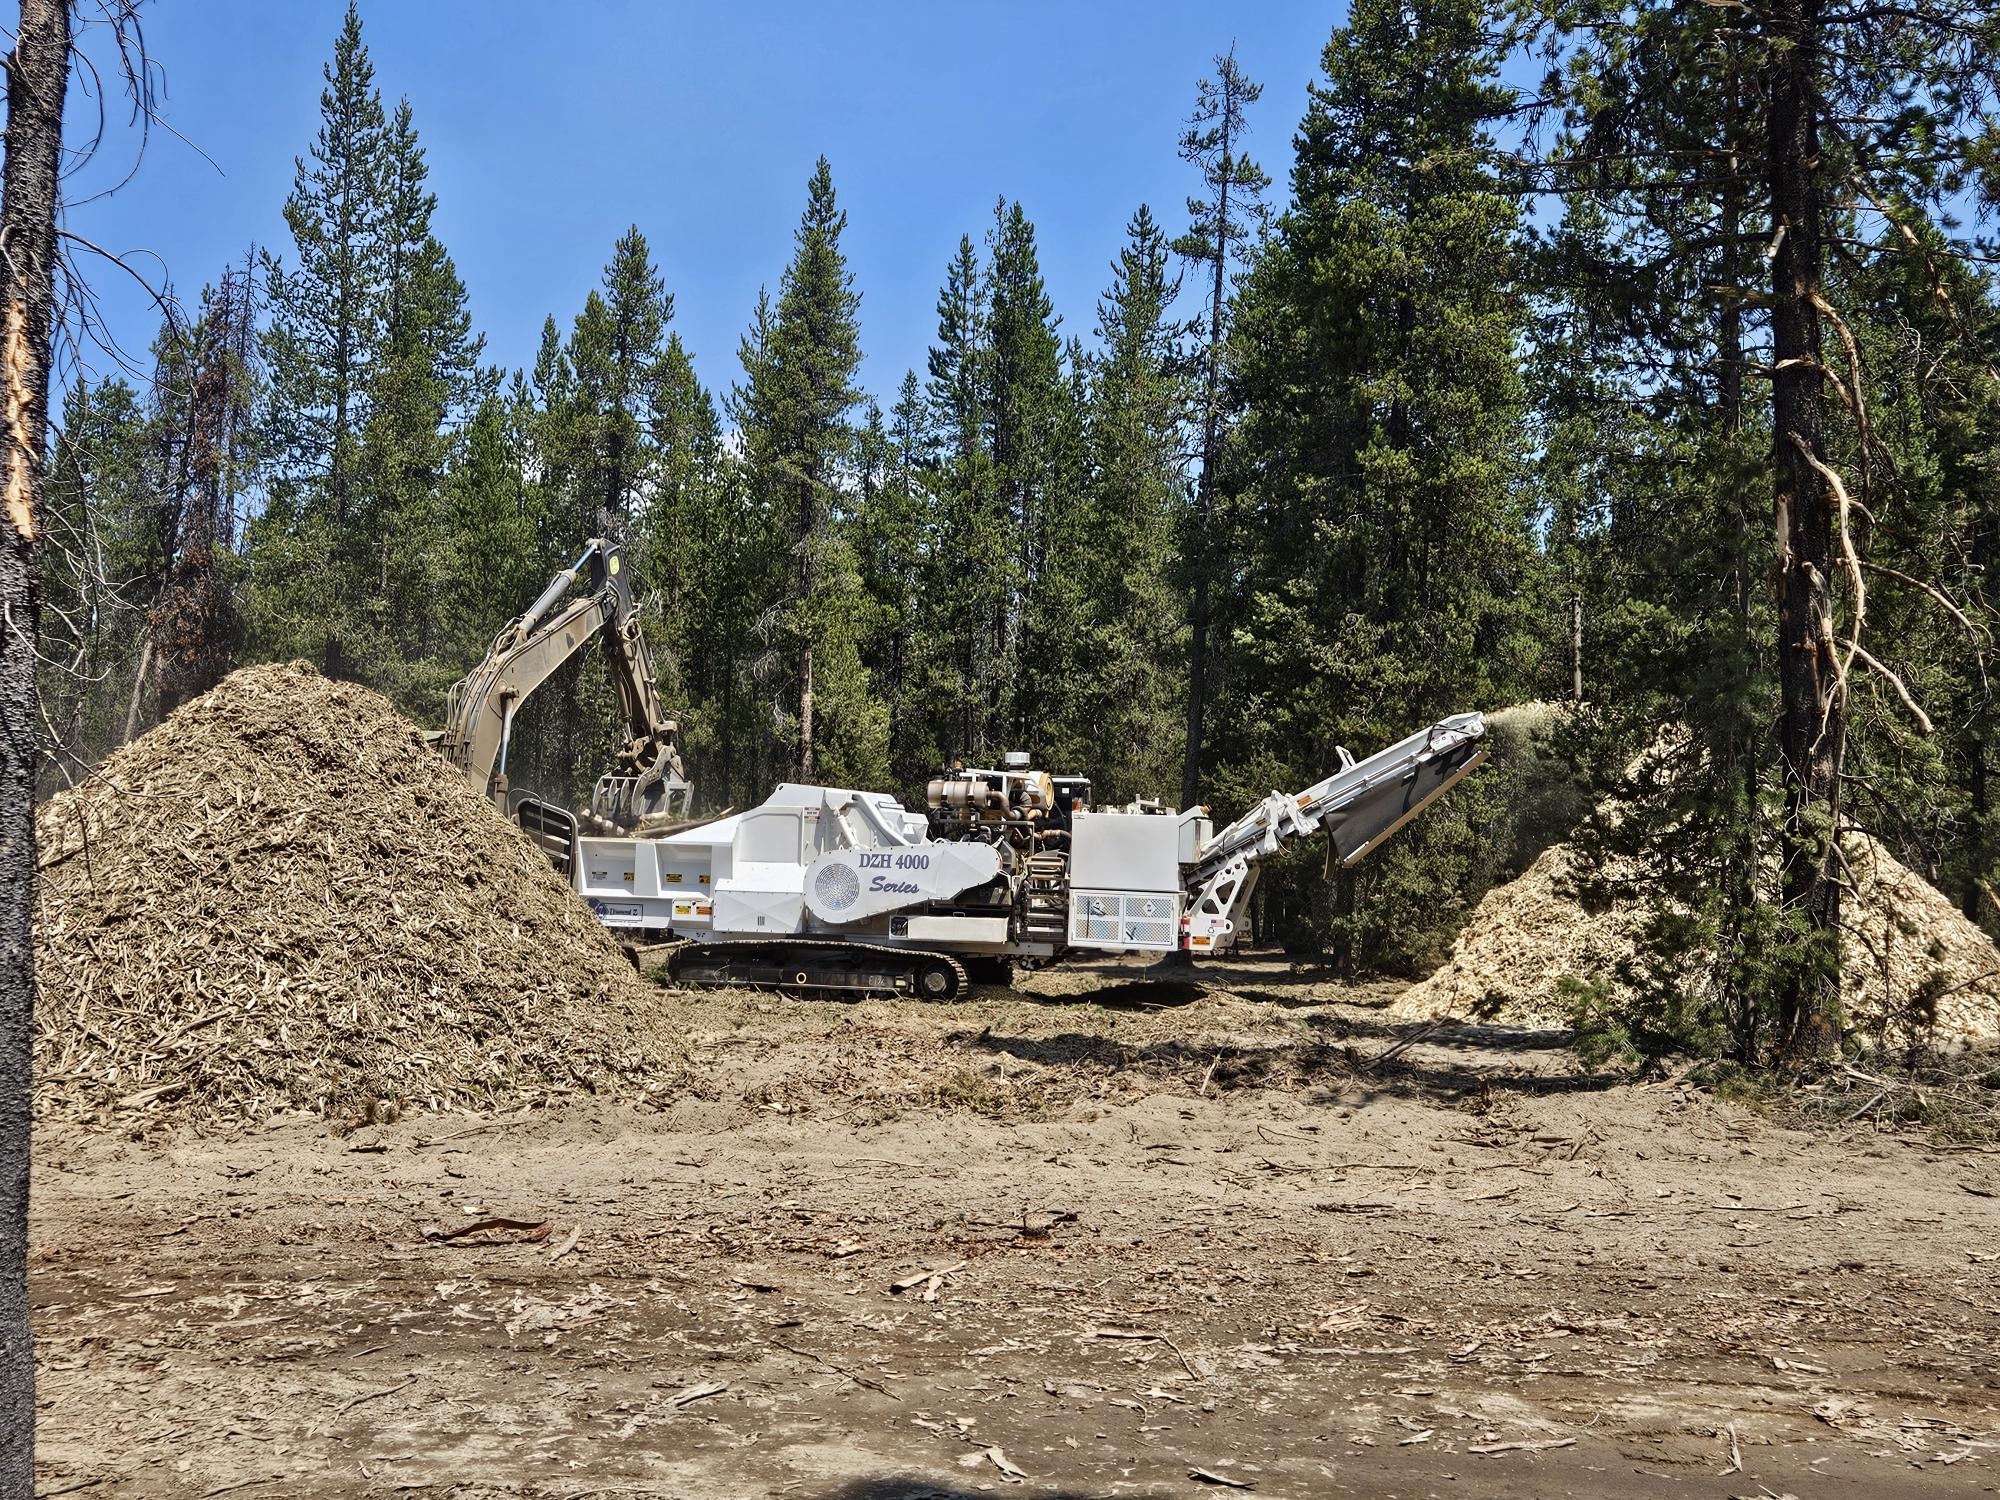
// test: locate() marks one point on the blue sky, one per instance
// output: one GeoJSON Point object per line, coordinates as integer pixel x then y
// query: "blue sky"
{"type": "Point", "coordinates": [550, 128]}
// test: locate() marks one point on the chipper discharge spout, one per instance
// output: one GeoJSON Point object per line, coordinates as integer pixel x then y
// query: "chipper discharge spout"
{"type": "Point", "coordinates": [1359, 806]}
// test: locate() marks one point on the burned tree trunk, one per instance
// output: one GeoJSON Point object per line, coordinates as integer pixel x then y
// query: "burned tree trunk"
{"type": "Point", "coordinates": [1812, 724]}
{"type": "Point", "coordinates": [37, 77]}
{"type": "Point", "coordinates": [190, 624]}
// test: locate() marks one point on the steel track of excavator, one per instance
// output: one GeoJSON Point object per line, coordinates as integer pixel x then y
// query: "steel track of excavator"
{"type": "Point", "coordinates": [807, 967]}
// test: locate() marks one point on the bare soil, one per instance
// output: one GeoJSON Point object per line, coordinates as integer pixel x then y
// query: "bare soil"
{"type": "Point", "coordinates": [1147, 1230]}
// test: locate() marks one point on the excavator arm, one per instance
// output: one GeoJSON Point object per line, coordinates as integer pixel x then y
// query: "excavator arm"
{"type": "Point", "coordinates": [647, 780]}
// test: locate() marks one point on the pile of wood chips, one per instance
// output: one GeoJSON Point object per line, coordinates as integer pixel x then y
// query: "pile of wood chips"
{"type": "Point", "coordinates": [1914, 966]}
{"type": "Point", "coordinates": [281, 898]}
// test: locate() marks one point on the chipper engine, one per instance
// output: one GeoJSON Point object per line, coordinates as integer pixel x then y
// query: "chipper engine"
{"type": "Point", "coordinates": [830, 889]}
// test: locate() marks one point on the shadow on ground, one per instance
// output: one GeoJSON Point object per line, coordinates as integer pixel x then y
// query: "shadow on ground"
{"type": "Point", "coordinates": [1353, 1060]}
{"type": "Point", "coordinates": [926, 1489]}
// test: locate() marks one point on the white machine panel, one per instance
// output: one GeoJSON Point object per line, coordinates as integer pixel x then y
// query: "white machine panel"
{"type": "Point", "coordinates": [1125, 852]}
{"type": "Point", "coordinates": [1195, 829]}
{"type": "Point", "coordinates": [847, 885]}
{"type": "Point", "coordinates": [610, 879]}
{"type": "Point", "coordinates": [756, 901]}
{"type": "Point", "coordinates": [990, 932]}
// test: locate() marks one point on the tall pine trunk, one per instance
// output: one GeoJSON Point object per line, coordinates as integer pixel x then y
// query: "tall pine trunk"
{"type": "Point", "coordinates": [1812, 725]}
{"type": "Point", "coordinates": [1204, 505]}
{"type": "Point", "coordinates": [1744, 1016]}
{"type": "Point", "coordinates": [37, 77]}
{"type": "Point", "coordinates": [336, 659]}
{"type": "Point", "coordinates": [808, 525]}
{"type": "Point", "coordinates": [1986, 558]}
{"type": "Point", "coordinates": [1575, 629]}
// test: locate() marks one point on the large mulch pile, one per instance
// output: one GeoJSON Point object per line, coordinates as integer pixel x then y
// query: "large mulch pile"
{"type": "Point", "coordinates": [1905, 943]}
{"type": "Point", "coordinates": [282, 898]}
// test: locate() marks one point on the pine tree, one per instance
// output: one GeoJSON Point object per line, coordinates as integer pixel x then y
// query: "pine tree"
{"type": "Point", "coordinates": [496, 567]}
{"type": "Point", "coordinates": [1029, 408]}
{"type": "Point", "coordinates": [890, 537]}
{"type": "Point", "coordinates": [399, 551]}
{"type": "Point", "coordinates": [1129, 647]}
{"type": "Point", "coordinates": [1648, 463]}
{"type": "Point", "coordinates": [615, 353]}
{"type": "Point", "coordinates": [101, 568]}
{"type": "Point", "coordinates": [326, 313]}
{"type": "Point", "coordinates": [1935, 411]}
{"type": "Point", "coordinates": [799, 439]}
{"type": "Point", "coordinates": [590, 430]}
{"type": "Point", "coordinates": [965, 586]}
{"type": "Point", "coordinates": [37, 79]}
{"type": "Point", "coordinates": [1219, 229]}
{"type": "Point", "coordinates": [1380, 500]}
{"type": "Point", "coordinates": [686, 438]}
{"type": "Point", "coordinates": [1752, 147]}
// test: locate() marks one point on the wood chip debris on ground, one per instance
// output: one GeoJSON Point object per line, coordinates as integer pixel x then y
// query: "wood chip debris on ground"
{"type": "Point", "coordinates": [999, 1460]}
{"type": "Point", "coordinates": [1209, 1476]}
{"type": "Point", "coordinates": [931, 1281]}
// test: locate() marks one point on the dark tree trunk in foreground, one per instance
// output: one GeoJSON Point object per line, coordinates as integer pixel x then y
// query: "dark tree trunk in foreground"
{"type": "Point", "coordinates": [37, 74]}
{"type": "Point", "coordinates": [1813, 716]}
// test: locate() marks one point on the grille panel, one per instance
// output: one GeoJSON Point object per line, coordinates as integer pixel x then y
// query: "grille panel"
{"type": "Point", "coordinates": [1124, 919]}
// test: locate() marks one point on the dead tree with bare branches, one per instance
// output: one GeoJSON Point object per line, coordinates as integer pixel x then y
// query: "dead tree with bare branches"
{"type": "Point", "coordinates": [37, 285]}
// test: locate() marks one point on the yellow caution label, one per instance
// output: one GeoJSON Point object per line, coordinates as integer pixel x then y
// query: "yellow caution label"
{"type": "Point", "coordinates": [673, 880]}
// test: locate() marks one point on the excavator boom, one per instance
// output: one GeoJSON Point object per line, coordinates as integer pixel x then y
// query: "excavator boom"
{"type": "Point", "coordinates": [647, 780]}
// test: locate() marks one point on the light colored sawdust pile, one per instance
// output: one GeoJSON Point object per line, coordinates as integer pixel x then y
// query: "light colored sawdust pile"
{"type": "Point", "coordinates": [1906, 943]}
{"type": "Point", "coordinates": [281, 898]}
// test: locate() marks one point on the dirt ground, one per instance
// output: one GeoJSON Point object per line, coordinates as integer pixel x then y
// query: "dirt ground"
{"type": "Point", "coordinates": [1152, 1239]}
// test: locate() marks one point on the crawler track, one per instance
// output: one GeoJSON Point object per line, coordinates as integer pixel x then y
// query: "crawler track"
{"type": "Point", "coordinates": [807, 967]}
